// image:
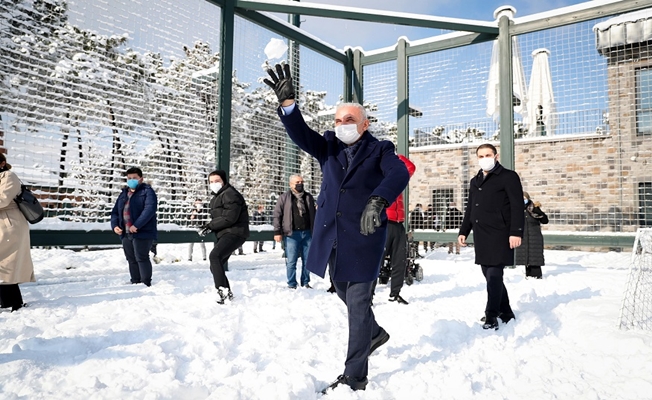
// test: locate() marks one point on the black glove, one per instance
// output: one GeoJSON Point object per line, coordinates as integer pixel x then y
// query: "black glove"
{"type": "Point", "coordinates": [371, 215]}
{"type": "Point", "coordinates": [204, 230]}
{"type": "Point", "coordinates": [282, 84]}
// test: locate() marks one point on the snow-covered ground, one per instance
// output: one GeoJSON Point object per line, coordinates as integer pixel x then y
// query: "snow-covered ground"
{"type": "Point", "coordinates": [88, 335]}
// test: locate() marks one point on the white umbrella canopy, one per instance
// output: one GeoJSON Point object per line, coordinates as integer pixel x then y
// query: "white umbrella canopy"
{"type": "Point", "coordinates": [519, 89]}
{"type": "Point", "coordinates": [541, 101]}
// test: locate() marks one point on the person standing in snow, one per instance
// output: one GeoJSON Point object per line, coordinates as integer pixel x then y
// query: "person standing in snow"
{"type": "Point", "coordinates": [530, 253]}
{"type": "Point", "coordinates": [230, 223]}
{"type": "Point", "coordinates": [396, 242]}
{"type": "Point", "coordinates": [361, 177]}
{"type": "Point", "coordinates": [15, 257]}
{"type": "Point", "coordinates": [134, 218]}
{"type": "Point", "coordinates": [494, 212]}
{"type": "Point", "coordinates": [294, 218]}
{"type": "Point", "coordinates": [417, 221]}
{"type": "Point", "coordinates": [453, 220]}
{"type": "Point", "coordinates": [258, 218]}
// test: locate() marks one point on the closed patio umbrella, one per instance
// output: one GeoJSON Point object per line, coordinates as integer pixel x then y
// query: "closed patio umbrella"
{"type": "Point", "coordinates": [541, 101]}
{"type": "Point", "coordinates": [519, 89]}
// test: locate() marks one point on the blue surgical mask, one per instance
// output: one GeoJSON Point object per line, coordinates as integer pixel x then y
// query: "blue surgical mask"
{"type": "Point", "coordinates": [525, 201]}
{"type": "Point", "coordinates": [132, 183]}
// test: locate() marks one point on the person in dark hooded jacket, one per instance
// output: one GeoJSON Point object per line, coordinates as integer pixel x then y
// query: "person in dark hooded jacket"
{"type": "Point", "coordinates": [530, 253]}
{"type": "Point", "coordinates": [230, 223]}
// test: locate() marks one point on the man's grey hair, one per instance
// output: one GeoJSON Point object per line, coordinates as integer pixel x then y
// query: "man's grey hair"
{"type": "Point", "coordinates": [363, 111]}
{"type": "Point", "coordinates": [294, 176]}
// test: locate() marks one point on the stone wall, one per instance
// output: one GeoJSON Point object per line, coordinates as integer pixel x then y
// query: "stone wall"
{"type": "Point", "coordinates": [584, 182]}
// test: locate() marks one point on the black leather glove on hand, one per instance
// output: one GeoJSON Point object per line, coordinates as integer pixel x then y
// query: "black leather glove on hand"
{"type": "Point", "coordinates": [371, 215]}
{"type": "Point", "coordinates": [282, 84]}
{"type": "Point", "coordinates": [204, 230]}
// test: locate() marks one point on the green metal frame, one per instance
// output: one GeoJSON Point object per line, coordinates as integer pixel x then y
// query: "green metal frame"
{"type": "Point", "coordinates": [84, 238]}
{"type": "Point", "coordinates": [368, 15]}
{"type": "Point", "coordinates": [467, 32]}
{"type": "Point", "coordinates": [549, 239]}
{"type": "Point", "coordinates": [223, 134]}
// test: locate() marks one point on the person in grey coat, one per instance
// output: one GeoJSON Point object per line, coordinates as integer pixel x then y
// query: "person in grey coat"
{"type": "Point", "coordinates": [494, 212]}
{"type": "Point", "coordinates": [294, 218]}
{"type": "Point", "coordinates": [530, 253]}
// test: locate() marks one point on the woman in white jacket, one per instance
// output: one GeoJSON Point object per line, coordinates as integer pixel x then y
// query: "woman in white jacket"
{"type": "Point", "coordinates": [15, 258]}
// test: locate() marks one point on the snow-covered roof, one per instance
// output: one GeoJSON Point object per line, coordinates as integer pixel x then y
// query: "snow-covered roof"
{"type": "Point", "coordinates": [625, 29]}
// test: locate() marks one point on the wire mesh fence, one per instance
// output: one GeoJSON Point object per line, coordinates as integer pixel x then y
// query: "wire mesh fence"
{"type": "Point", "coordinates": [87, 91]}
{"type": "Point", "coordinates": [85, 97]}
{"type": "Point", "coordinates": [581, 124]}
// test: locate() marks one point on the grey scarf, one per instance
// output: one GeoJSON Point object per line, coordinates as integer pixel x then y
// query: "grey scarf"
{"type": "Point", "coordinates": [301, 205]}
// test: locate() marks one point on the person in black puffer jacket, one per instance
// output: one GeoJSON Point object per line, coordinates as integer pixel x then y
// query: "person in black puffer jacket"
{"type": "Point", "coordinates": [530, 253]}
{"type": "Point", "coordinates": [230, 223]}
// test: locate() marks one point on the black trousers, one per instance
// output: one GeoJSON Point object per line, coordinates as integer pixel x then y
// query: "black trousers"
{"type": "Point", "coordinates": [362, 323]}
{"type": "Point", "coordinates": [497, 297]}
{"type": "Point", "coordinates": [396, 247]}
{"type": "Point", "coordinates": [219, 256]}
{"type": "Point", "coordinates": [10, 296]}
{"type": "Point", "coordinates": [137, 254]}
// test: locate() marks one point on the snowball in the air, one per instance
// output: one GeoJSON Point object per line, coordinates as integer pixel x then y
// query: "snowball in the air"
{"type": "Point", "coordinates": [275, 48]}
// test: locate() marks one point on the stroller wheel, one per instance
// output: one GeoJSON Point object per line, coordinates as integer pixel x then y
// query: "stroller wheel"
{"type": "Point", "coordinates": [409, 279]}
{"type": "Point", "coordinates": [418, 273]}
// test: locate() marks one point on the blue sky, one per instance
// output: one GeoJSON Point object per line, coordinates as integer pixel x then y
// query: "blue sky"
{"type": "Point", "coordinates": [369, 36]}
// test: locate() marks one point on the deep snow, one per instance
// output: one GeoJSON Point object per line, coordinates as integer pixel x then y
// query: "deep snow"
{"type": "Point", "coordinates": [86, 334]}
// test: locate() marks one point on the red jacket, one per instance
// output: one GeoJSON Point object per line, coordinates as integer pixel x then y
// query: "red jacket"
{"type": "Point", "coordinates": [396, 211]}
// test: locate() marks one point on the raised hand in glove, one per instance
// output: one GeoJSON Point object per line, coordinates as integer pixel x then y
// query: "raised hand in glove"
{"type": "Point", "coordinates": [282, 84]}
{"type": "Point", "coordinates": [371, 215]}
{"type": "Point", "coordinates": [204, 230]}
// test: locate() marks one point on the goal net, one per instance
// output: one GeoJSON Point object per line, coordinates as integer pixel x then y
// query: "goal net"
{"type": "Point", "coordinates": [636, 311]}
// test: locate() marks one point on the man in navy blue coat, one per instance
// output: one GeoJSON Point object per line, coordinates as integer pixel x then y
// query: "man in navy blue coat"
{"type": "Point", "coordinates": [134, 218]}
{"type": "Point", "coordinates": [361, 176]}
{"type": "Point", "coordinates": [494, 212]}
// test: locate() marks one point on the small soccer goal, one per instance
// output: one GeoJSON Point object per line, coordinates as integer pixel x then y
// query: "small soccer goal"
{"type": "Point", "coordinates": [636, 311]}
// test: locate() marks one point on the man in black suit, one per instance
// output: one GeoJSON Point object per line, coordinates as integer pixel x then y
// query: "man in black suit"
{"type": "Point", "coordinates": [495, 214]}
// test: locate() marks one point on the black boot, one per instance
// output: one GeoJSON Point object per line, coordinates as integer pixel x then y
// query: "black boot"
{"type": "Point", "coordinates": [222, 296]}
{"type": "Point", "coordinates": [490, 323]}
{"type": "Point", "coordinates": [353, 383]}
{"type": "Point", "coordinates": [397, 298]}
{"type": "Point", "coordinates": [506, 317]}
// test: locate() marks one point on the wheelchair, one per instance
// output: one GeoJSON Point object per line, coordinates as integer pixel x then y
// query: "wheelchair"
{"type": "Point", "coordinates": [413, 271]}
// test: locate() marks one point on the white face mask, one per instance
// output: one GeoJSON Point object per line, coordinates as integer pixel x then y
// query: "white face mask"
{"type": "Point", "coordinates": [347, 133]}
{"type": "Point", "coordinates": [215, 187]}
{"type": "Point", "coordinates": [487, 164]}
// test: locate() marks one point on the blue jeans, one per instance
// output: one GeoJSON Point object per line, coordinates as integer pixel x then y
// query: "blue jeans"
{"type": "Point", "coordinates": [137, 254]}
{"type": "Point", "coordinates": [296, 246]}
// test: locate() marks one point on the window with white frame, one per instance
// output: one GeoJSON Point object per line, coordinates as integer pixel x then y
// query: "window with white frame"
{"type": "Point", "coordinates": [644, 101]}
